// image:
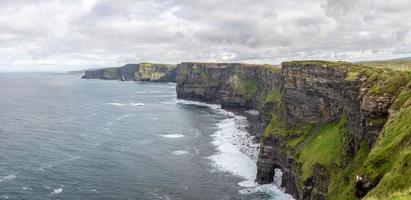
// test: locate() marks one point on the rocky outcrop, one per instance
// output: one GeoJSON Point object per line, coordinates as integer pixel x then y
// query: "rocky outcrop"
{"type": "Point", "coordinates": [136, 72]}
{"type": "Point", "coordinates": [270, 157]}
{"type": "Point", "coordinates": [127, 72]}
{"type": "Point", "coordinates": [316, 186]}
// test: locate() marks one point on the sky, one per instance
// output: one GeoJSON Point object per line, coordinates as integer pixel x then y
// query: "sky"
{"type": "Point", "coordinates": [59, 35]}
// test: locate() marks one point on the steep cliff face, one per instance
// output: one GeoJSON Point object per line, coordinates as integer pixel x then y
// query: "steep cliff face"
{"type": "Point", "coordinates": [136, 72]}
{"type": "Point", "coordinates": [106, 74]}
{"type": "Point", "coordinates": [332, 116]}
{"type": "Point", "coordinates": [324, 122]}
{"type": "Point", "coordinates": [126, 72]}
{"type": "Point", "coordinates": [155, 72]}
{"type": "Point", "coordinates": [233, 85]}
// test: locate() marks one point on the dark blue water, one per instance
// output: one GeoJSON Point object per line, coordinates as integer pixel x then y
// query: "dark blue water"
{"type": "Point", "coordinates": [66, 138]}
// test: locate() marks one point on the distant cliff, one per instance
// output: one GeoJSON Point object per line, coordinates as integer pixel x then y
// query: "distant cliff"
{"type": "Point", "coordinates": [336, 130]}
{"type": "Point", "coordinates": [136, 72]}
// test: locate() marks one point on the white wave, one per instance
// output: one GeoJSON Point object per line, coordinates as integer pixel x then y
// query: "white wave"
{"type": "Point", "coordinates": [252, 112]}
{"type": "Point", "coordinates": [94, 190]}
{"type": "Point", "coordinates": [26, 187]}
{"type": "Point", "coordinates": [179, 152]}
{"type": "Point", "coordinates": [116, 104]}
{"type": "Point", "coordinates": [136, 104]}
{"type": "Point", "coordinates": [197, 103]}
{"type": "Point", "coordinates": [232, 153]}
{"type": "Point", "coordinates": [272, 190]}
{"type": "Point", "coordinates": [4, 196]}
{"type": "Point", "coordinates": [237, 154]}
{"type": "Point", "coordinates": [172, 135]}
{"type": "Point", "coordinates": [57, 190]}
{"type": "Point", "coordinates": [140, 92]}
{"type": "Point", "coordinates": [155, 91]}
{"type": "Point", "coordinates": [7, 178]}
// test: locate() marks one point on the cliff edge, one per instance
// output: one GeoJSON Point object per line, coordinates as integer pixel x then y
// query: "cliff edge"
{"type": "Point", "coordinates": [336, 130]}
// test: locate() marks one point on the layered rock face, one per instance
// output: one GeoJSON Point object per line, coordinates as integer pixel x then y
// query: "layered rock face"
{"type": "Point", "coordinates": [136, 72]}
{"type": "Point", "coordinates": [325, 119]}
{"type": "Point", "coordinates": [232, 85]}
{"type": "Point", "coordinates": [312, 92]}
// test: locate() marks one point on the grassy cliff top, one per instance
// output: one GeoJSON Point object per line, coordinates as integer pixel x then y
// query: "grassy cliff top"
{"type": "Point", "coordinates": [318, 62]}
{"type": "Point", "coordinates": [146, 64]}
{"type": "Point", "coordinates": [402, 64]}
{"type": "Point", "coordinates": [228, 63]}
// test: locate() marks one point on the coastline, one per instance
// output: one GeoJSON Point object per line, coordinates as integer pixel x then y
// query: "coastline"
{"type": "Point", "coordinates": [237, 150]}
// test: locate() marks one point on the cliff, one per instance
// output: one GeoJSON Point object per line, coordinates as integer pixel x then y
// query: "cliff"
{"type": "Point", "coordinates": [231, 84]}
{"type": "Point", "coordinates": [136, 72]}
{"type": "Point", "coordinates": [336, 130]}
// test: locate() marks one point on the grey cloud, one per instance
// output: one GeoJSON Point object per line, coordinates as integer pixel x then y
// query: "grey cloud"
{"type": "Point", "coordinates": [69, 34]}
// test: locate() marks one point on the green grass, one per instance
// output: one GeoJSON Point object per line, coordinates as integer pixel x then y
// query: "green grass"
{"type": "Point", "coordinates": [245, 87]}
{"type": "Point", "coordinates": [251, 88]}
{"type": "Point", "coordinates": [342, 178]}
{"type": "Point", "coordinates": [389, 162]}
{"type": "Point", "coordinates": [402, 97]}
{"type": "Point", "coordinates": [389, 83]}
{"type": "Point", "coordinates": [319, 62]}
{"type": "Point", "coordinates": [325, 148]}
{"type": "Point", "coordinates": [273, 96]}
{"type": "Point", "coordinates": [401, 65]}
{"type": "Point", "coordinates": [276, 126]}
{"type": "Point", "coordinates": [381, 82]}
{"type": "Point", "coordinates": [273, 68]}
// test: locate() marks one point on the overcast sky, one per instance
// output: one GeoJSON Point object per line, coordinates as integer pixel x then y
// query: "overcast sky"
{"type": "Point", "coordinates": [75, 34]}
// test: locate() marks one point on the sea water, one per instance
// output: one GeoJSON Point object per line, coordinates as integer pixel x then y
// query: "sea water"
{"type": "Point", "coordinates": [62, 137]}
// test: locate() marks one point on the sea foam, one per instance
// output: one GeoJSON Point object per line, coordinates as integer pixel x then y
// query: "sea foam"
{"type": "Point", "coordinates": [237, 153]}
{"type": "Point", "coordinates": [179, 152]}
{"type": "Point", "coordinates": [57, 190]}
{"type": "Point", "coordinates": [7, 178]}
{"type": "Point", "coordinates": [172, 135]}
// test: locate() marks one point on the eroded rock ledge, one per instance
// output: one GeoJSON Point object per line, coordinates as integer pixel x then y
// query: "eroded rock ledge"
{"type": "Point", "coordinates": [322, 122]}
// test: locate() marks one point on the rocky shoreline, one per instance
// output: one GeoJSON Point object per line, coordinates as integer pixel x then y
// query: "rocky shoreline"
{"type": "Point", "coordinates": [331, 127]}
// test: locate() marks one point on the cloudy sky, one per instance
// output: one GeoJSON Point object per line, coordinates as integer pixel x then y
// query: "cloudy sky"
{"type": "Point", "coordinates": [74, 34]}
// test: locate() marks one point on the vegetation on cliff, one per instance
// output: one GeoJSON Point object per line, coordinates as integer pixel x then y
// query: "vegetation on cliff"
{"type": "Point", "coordinates": [389, 162]}
{"type": "Point", "coordinates": [324, 147]}
{"type": "Point", "coordinates": [324, 119]}
{"type": "Point", "coordinates": [403, 64]}
{"type": "Point", "coordinates": [245, 87]}
{"type": "Point", "coordinates": [322, 63]}
{"type": "Point", "coordinates": [386, 165]}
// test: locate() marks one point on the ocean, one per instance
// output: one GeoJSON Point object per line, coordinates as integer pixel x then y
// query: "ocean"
{"type": "Point", "coordinates": [62, 137]}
